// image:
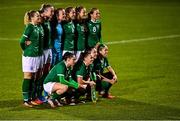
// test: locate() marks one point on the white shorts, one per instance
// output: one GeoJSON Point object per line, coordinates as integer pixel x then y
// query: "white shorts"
{"type": "Point", "coordinates": [47, 56]}
{"type": "Point", "coordinates": [64, 51]}
{"type": "Point", "coordinates": [78, 53]}
{"type": "Point", "coordinates": [30, 64]}
{"type": "Point", "coordinates": [48, 87]}
{"type": "Point", "coordinates": [41, 58]}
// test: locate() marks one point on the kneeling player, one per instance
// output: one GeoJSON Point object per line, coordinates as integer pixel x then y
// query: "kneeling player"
{"type": "Point", "coordinates": [104, 80]}
{"type": "Point", "coordinates": [81, 73]}
{"type": "Point", "coordinates": [59, 78]}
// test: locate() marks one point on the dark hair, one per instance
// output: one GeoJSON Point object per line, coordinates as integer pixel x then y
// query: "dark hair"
{"type": "Point", "coordinates": [57, 11]}
{"type": "Point", "coordinates": [67, 55]}
{"type": "Point", "coordinates": [100, 47]}
{"type": "Point", "coordinates": [68, 10]}
{"type": "Point", "coordinates": [54, 22]}
{"type": "Point", "coordinates": [84, 55]}
{"type": "Point", "coordinates": [91, 12]}
{"type": "Point", "coordinates": [44, 7]}
{"type": "Point", "coordinates": [89, 49]}
{"type": "Point", "coordinates": [78, 10]}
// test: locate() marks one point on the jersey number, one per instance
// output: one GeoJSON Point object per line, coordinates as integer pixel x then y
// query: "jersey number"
{"type": "Point", "coordinates": [94, 29]}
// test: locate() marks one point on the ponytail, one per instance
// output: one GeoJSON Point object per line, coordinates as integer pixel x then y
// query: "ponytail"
{"type": "Point", "coordinates": [67, 11]}
{"type": "Point", "coordinates": [26, 18]}
{"type": "Point", "coordinates": [44, 7]}
{"type": "Point", "coordinates": [28, 15]}
{"type": "Point", "coordinates": [100, 47]}
{"type": "Point", "coordinates": [91, 12]}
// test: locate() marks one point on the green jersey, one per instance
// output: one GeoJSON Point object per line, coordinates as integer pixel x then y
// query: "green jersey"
{"type": "Point", "coordinates": [94, 33]}
{"type": "Point", "coordinates": [58, 70]}
{"type": "Point", "coordinates": [31, 33]}
{"type": "Point", "coordinates": [69, 33]}
{"type": "Point", "coordinates": [92, 72]}
{"type": "Point", "coordinates": [81, 70]}
{"type": "Point", "coordinates": [81, 36]}
{"type": "Point", "coordinates": [100, 65]}
{"type": "Point", "coordinates": [41, 39]}
{"type": "Point", "coordinates": [47, 35]}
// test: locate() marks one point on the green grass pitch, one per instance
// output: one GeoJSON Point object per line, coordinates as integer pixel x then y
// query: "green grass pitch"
{"type": "Point", "coordinates": [148, 71]}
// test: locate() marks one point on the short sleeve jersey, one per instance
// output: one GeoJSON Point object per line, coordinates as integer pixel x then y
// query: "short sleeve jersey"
{"type": "Point", "coordinates": [100, 65]}
{"type": "Point", "coordinates": [58, 70]}
{"type": "Point", "coordinates": [41, 39]}
{"type": "Point", "coordinates": [81, 36]}
{"type": "Point", "coordinates": [47, 35]}
{"type": "Point", "coordinates": [69, 34]}
{"type": "Point", "coordinates": [59, 32]}
{"type": "Point", "coordinates": [31, 33]}
{"type": "Point", "coordinates": [94, 33]}
{"type": "Point", "coordinates": [81, 70]}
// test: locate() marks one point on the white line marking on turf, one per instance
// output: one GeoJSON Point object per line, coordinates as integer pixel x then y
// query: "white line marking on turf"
{"type": "Point", "coordinates": [142, 39]}
{"type": "Point", "coordinates": [118, 42]}
{"type": "Point", "coordinates": [9, 39]}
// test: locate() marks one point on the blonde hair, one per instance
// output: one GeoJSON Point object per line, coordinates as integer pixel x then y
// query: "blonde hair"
{"type": "Point", "coordinates": [44, 7]}
{"type": "Point", "coordinates": [28, 15]}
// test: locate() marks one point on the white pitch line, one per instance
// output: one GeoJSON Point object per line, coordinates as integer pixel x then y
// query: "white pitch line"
{"type": "Point", "coordinates": [10, 39]}
{"type": "Point", "coordinates": [117, 42]}
{"type": "Point", "coordinates": [142, 39]}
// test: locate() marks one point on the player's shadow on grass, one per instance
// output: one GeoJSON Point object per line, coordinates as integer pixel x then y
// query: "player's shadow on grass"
{"type": "Point", "coordinates": [17, 105]}
{"type": "Point", "coordinates": [123, 109]}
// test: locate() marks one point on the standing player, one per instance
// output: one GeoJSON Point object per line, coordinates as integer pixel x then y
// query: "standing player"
{"type": "Point", "coordinates": [81, 30]}
{"type": "Point", "coordinates": [59, 78]}
{"type": "Point", "coordinates": [39, 81]}
{"type": "Point", "coordinates": [94, 28]}
{"type": "Point", "coordinates": [58, 31]}
{"type": "Point", "coordinates": [46, 12]}
{"type": "Point", "coordinates": [104, 80]}
{"type": "Point", "coordinates": [69, 31]}
{"type": "Point", "coordinates": [30, 60]}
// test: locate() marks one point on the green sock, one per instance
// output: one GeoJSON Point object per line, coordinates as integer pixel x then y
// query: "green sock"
{"type": "Point", "coordinates": [40, 87]}
{"type": "Point", "coordinates": [106, 86]}
{"type": "Point", "coordinates": [25, 89]}
{"type": "Point", "coordinates": [33, 89]}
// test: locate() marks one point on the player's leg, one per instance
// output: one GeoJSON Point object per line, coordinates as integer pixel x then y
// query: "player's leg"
{"type": "Point", "coordinates": [26, 88]}
{"type": "Point", "coordinates": [46, 68]}
{"type": "Point", "coordinates": [29, 70]}
{"type": "Point", "coordinates": [106, 85]}
{"type": "Point", "coordinates": [56, 88]}
{"type": "Point", "coordinates": [36, 85]}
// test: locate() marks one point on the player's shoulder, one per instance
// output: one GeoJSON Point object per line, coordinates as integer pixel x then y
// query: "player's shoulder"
{"type": "Point", "coordinates": [80, 66]}
{"type": "Point", "coordinates": [64, 22]}
{"type": "Point", "coordinates": [105, 58]}
{"type": "Point", "coordinates": [29, 26]}
{"type": "Point", "coordinates": [98, 21]}
{"type": "Point", "coordinates": [61, 65]}
{"type": "Point", "coordinates": [97, 60]}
